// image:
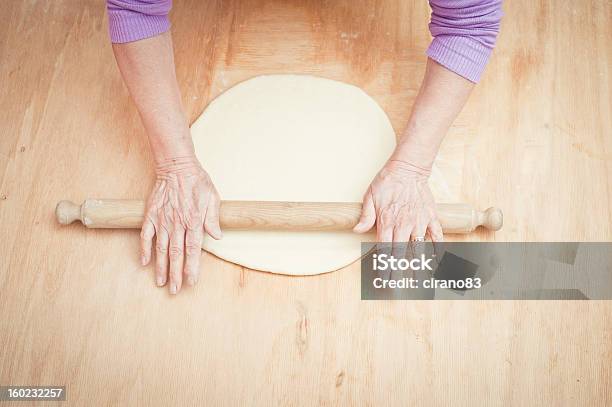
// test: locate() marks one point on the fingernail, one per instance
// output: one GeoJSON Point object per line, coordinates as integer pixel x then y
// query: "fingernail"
{"type": "Point", "coordinates": [160, 281]}
{"type": "Point", "coordinates": [173, 289]}
{"type": "Point", "coordinates": [143, 260]}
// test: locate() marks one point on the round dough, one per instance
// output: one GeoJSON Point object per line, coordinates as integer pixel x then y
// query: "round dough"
{"type": "Point", "coordinates": [292, 138]}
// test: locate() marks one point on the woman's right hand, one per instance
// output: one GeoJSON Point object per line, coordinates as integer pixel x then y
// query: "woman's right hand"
{"type": "Point", "coordinates": [183, 205]}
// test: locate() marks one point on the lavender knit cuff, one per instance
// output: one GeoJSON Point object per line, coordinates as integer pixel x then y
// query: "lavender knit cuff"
{"type": "Point", "coordinates": [462, 55]}
{"type": "Point", "coordinates": [127, 26]}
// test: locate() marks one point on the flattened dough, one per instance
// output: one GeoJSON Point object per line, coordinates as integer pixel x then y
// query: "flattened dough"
{"type": "Point", "coordinates": [292, 138]}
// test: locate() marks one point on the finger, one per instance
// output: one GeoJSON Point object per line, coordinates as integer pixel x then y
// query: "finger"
{"type": "Point", "coordinates": [384, 232]}
{"type": "Point", "coordinates": [193, 250]}
{"type": "Point", "coordinates": [146, 241]}
{"type": "Point", "coordinates": [176, 257]}
{"type": "Point", "coordinates": [418, 237]}
{"type": "Point", "coordinates": [161, 255]}
{"type": "Point", "coordinates": [420, 228]}
{"type": "Point", "coordinates": [402, 231]}
{"type": "Point", "coordinates": [401, 237]}
{"type": "Point", "coordinates": [435, 231]}
{"type": "Point", "coordinates": [384, 227]}
{"type": "Point", "coordinates": [211, 221]}
{"type": "Point", "coordinates": [368, 215]}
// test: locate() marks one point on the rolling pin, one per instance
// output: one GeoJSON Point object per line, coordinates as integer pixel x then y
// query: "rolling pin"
{"type": "Point", "coordinates": [266, 215]}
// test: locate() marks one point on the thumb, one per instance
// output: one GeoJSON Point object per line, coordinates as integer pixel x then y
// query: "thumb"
{"type": "Point", "coordinates": [211, 222]}
{"type": "Point", "coordinates": [368, 215]}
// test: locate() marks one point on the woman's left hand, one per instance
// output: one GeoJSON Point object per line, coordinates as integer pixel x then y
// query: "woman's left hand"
{"type": "Point", "coordinates": [401, 205]}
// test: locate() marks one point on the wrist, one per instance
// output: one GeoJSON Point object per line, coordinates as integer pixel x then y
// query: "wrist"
{"type": "Point", "coordinates": [188, 164]}
{"type": "Point", "coordinates": [407, 169]}
{"type": "Point", "coordinates": [415, 153]}
{"type": "Point", "coordinates": [175, 156]}
{"type": "Point", "coordinates": [173, 152]}
{"type": "Point", "coordinates": [411, 158]}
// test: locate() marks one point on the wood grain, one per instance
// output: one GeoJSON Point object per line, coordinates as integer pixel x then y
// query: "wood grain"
{"type": "Point", "coordinates": [77, 309]}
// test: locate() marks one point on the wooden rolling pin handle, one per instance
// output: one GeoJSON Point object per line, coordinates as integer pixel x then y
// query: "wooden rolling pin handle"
{"type": "Point", "coordinates": [102, 213]}
{"type": "Point", "coordinates": [304, 216]}
{"type": "Point", "coordinates": [492, 218]}
{"type": "Point", "coordinates": [67, 212]}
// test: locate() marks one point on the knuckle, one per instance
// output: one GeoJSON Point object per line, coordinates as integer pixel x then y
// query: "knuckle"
{"type": "Point", "coordinates": [193, 239]}
{"type": "Point", "coordinates": [161, 249]}
{"type": "Point", "coordinates": [163, 230]}
{"type": "Point", "coordinates": [387, 217]}
{"type": "Point", "coordinates": [387, 236]}
{"type": "Point", "coordinates": [408, 217]}
{"type": "Point", "coordinates": [193, 220]}
{"type": "Point", "coordinates": [405, 222]}
{"type": "Point", "coordinates": [192, 249]}
{"type": "Point", "coordinates": [176, 252]}
{"type": "Point", "coordinates": [383, 227]}
{"type": "Point", "coordinates": [405, 228]}
{"type": "Point", "coordinates": [177, 232]}
{"type": "Point", "coordinates": [385, 230]}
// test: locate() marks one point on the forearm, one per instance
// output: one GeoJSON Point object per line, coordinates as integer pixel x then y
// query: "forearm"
{"type": "Point", "coordinates": [147, 67]}
{"type": "Point", "coordinates": [464, 34]}
{"type": "Point", "coordinates": [440, 99]}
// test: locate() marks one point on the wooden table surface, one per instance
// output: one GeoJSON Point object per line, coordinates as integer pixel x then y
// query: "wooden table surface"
{"type": "Point", "coordinates": [76, 309]}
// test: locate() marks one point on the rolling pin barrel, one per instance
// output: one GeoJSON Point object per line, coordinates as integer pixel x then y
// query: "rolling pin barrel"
{"type": "Point", "coordinates": [264, 215]}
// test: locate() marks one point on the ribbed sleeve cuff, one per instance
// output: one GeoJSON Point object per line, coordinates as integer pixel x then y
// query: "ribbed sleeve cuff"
{"type": "Point", "coordinates": [462, 55]}
{"type": "Point", "coordinates": [128, 27]}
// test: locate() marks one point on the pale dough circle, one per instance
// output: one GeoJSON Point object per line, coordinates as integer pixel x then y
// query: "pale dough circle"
{"type": "Point", "coordinates": [292, 138]}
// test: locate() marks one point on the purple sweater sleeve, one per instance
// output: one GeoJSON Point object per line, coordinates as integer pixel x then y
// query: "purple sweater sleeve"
{"type": "Point", "coordinates": [133, 20]}
{"type": "Point", "coordinates": [464, 31]}
{"type": "Point", "coordinates": [464, 34]}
